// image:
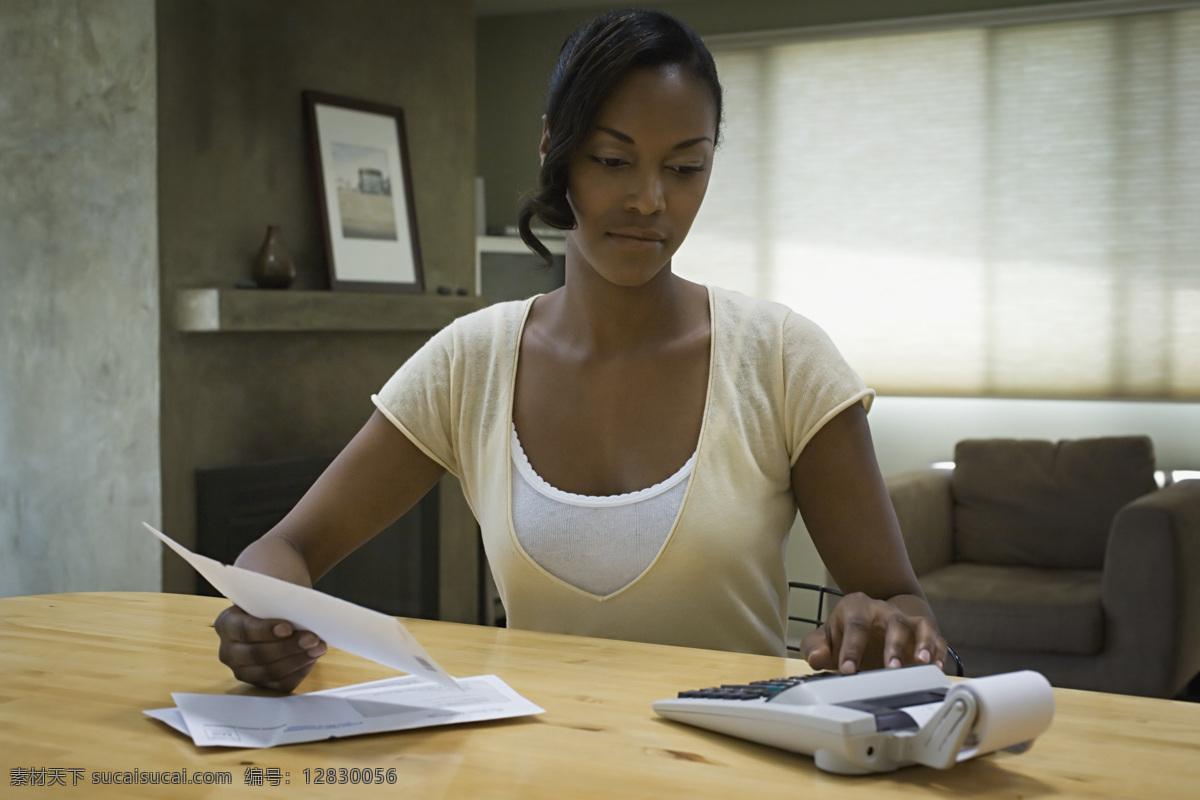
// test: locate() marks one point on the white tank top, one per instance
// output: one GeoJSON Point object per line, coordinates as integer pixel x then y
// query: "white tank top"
{"type": "Point", "coordinates": [597, 544]}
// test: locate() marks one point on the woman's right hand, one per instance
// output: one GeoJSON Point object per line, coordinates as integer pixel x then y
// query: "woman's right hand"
{"type": "Point", "coordinates": [269, 653]}
{"type": "Point", "coordinates": [376, 478]}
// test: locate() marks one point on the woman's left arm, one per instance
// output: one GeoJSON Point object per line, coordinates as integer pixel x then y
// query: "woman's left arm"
{"type": "Point", "coordinates": [883, 620]}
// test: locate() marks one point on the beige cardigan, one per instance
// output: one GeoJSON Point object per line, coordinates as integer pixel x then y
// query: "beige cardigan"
{"type": "Point", "coordinates": [719, 580]}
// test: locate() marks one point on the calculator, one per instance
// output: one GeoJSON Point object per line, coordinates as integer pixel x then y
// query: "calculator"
{"type": "Point", "coordinates": [874, 721]}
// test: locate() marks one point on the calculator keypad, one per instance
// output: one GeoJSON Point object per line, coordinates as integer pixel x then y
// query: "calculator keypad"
{"type": "Point", "coordinates": [756, 690]}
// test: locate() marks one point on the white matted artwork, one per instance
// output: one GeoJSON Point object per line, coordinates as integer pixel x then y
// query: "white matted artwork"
{"type": "Point", "coordinates": [364, 187]}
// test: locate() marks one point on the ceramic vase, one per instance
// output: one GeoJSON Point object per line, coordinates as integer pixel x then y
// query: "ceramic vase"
{"type": "Point", "coordinates": [274, 268]}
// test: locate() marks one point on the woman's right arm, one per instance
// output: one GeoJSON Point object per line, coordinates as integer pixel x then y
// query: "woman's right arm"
{"type": "Point", "coordinates": [379, 476]}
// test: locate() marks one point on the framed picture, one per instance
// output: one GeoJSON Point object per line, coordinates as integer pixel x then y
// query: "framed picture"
{"type": "Point", "coordinates": [364, 187]}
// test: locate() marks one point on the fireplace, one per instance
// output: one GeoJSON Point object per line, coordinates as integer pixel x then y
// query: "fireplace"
{"type": "Point", "coordinates": [395, 573]}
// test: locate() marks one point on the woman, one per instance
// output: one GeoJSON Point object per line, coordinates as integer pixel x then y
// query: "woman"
{"type": "Point", "coordinates": [635, 446]}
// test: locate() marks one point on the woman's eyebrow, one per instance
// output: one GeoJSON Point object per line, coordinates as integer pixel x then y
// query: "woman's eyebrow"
{"type": "Point", "coordinates": [627, 139]}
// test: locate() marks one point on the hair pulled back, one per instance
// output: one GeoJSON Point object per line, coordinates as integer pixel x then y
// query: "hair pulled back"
{"type": "Point", "coordinates": [592, 61]}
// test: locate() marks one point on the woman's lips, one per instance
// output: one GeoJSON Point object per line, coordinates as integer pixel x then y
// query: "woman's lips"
{"type": "Point", "coordinates": [640, 239]}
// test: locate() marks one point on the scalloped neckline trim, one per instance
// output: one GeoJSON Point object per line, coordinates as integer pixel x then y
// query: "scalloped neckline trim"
{"type": "Point", "coordinates": [542, 487]}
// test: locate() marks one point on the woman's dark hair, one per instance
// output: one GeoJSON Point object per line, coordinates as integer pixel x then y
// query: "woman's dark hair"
{"type": "Point", "coordinates": [593, 60]}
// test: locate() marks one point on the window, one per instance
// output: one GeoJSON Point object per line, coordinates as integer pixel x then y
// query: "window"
{"type": "Point", "coordinates": [1009, 210]}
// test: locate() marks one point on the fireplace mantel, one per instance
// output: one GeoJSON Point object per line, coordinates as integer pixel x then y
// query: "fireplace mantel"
{"type": "Point", "coordinates": [265, 310]}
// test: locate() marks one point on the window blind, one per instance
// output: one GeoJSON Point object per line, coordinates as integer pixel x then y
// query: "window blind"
{"type": "Point", "coordinates": [1004, 210]}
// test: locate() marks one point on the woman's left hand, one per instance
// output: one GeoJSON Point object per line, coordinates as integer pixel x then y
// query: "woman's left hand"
{"type": "Point", "coordinates": [863, 633]}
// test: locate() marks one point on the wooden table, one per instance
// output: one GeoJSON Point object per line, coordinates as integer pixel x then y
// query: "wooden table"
{"type": "Point", "coordinates": [79, 669]}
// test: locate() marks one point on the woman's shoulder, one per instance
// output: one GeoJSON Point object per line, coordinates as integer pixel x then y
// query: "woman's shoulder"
{"type": "Point", "coordinates": [504, 312]}
{"type": "Point", "coordinates": [769, 326]}
{"type": "Point", "coordinates": [471, 345]}
{"type": "Point", "coordinates": [492, 325]}
{"type": "Point", "coordinates": [769, 317]}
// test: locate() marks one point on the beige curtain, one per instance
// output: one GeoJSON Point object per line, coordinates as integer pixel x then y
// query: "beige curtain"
{"type": "Point", "coordinates": [1004, 210]}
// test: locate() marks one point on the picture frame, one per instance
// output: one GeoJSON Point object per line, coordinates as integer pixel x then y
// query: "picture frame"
{"type": "Point", "coordinates": [364, 189]}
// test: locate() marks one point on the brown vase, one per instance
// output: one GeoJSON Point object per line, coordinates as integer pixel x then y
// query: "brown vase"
{"type": "Point", "coordinates": [274, 268]}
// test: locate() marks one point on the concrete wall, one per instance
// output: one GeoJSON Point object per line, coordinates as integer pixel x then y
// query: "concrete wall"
{"type": "Point", "coordinates": [79, 308]}
{"type": "Point", "coordinates": [234, 158]}
{"type": "Point", "coordinates": [144, 148]}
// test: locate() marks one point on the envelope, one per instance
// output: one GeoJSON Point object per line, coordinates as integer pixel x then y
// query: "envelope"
{"type": "Point", "coordinates": [340, 623]}
{"type": "Point", "coordinates": [391, 704]}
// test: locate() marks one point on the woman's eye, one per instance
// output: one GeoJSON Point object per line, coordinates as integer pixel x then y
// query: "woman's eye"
{"type": "Point", "coordinates": [688, 169]}
{"type": "Point", "coordinates": [607, 161]}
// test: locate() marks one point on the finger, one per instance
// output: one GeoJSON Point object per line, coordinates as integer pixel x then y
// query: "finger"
{"type": "Point", "coordinates": [289, 683]}
{"type": "Point", "coordinates": [926, 647]}
{"type": "Point", "coordinates": [816, 650]}
{"type": "Point", "coordinates": [264, 664]}
{"type": "Point", "coordinates": [930, 647]}
{"type": "Point", "coordinates": [237, 655]}
{"type": "Point", "coordinates": [236, 625]}
{"type": "Point", "coordinates": [850, 639]}
{"type": "Point", "coordinates": [941, 656]}
{"type": "Point", "coordinates": [282, 676]}
{"type": "Point", "coordinates": [899, 641]}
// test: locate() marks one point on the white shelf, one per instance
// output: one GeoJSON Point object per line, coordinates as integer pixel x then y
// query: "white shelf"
{"type": "Point", "coordinates": [513, 244]}
{"type": "Point", "coordinates": [510, 245]}
{"type": "Point", "coordinates": [288, 310]}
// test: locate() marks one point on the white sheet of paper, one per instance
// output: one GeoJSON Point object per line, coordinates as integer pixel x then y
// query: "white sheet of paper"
{"type": "Point", "coordinates": [391, 704]}
{"type": "Point", "coordinates": [340, 623]}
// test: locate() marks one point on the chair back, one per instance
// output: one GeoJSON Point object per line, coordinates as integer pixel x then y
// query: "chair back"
{"type": "Point", "coordinates": [1045, 504]}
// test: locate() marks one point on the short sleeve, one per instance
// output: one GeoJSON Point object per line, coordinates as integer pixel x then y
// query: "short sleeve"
{"type": "Point", "coordinates": [419, 399]}
{"type": "Point", "coordinates": [818, 382]}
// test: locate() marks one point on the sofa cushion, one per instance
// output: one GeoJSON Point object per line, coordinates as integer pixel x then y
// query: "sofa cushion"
{"type": "Point", "coordinates": [1019, 609]}
{"type": "Point", "coordinates": [1044, 504]}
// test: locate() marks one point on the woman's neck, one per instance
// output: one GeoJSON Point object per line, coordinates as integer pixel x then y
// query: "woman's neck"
{"type": "Point", "coordinates": [602, 318]}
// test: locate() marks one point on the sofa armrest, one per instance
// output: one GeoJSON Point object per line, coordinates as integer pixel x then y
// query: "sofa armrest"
{"type": "Point", "coordinates": [925, 508]}
{"type": "Point", "coordinates": [1151, 588]}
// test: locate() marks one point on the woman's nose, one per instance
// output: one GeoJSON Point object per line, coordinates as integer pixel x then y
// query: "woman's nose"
{"type": "Point", "coordinates": [646, 195]}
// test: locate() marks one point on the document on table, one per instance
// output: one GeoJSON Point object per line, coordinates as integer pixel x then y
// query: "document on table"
{"type": "Point", "coordinates": [391, 704]}
{"type": "Point", "coordinates": [426, 697]}
{"type": "Point", "coordinates": [340, 623]}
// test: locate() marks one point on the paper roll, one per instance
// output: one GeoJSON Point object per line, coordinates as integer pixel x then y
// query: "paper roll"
{"type": "Point", "coordinates": [1012, 709]}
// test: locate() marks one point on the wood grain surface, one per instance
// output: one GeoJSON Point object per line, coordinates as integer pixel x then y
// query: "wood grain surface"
{"type": "Point", "coordinates": [79, 669]}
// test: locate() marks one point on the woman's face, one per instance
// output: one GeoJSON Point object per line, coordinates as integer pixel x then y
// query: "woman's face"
{"type": "Point", "coordinates": [638, 181]}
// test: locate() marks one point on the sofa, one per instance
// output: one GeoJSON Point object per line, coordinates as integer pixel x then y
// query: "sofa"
{"type": "Point", "coordinates": [1063, 557]}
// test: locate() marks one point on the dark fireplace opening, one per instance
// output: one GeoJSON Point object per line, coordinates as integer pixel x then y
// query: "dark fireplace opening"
{"type": "Point", "coordinates": [395, 573]}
